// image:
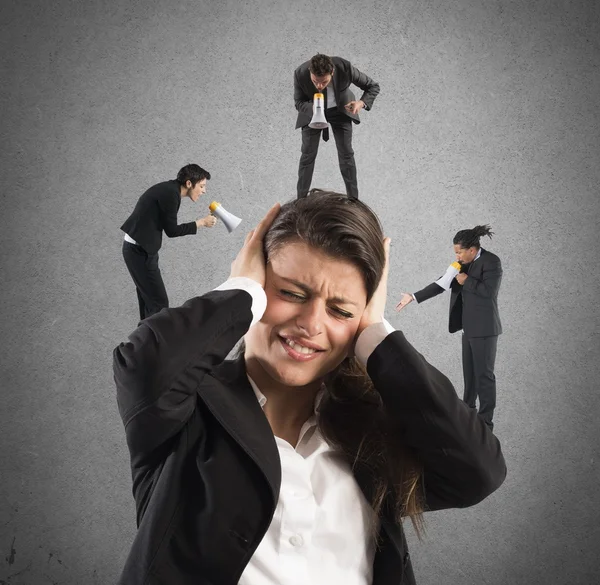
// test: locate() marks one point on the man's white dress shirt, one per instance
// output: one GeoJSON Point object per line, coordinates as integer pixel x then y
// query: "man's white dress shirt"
{"type": "Point", "coordinates": [331, 101]}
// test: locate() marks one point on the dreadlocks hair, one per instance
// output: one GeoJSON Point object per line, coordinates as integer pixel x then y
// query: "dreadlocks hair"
{"type": "Point", "coordinates": [470, 238]}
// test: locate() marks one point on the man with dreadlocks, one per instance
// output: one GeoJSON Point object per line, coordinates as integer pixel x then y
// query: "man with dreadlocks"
{"type": "Point", "coordinates": [474, 281]}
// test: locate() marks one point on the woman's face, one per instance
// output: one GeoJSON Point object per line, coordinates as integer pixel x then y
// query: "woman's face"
{"type": "Point", "coordinates": [314, 306]}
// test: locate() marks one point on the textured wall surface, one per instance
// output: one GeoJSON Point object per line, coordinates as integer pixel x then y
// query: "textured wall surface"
{"type": "Point", "coordinates": [488, 113]}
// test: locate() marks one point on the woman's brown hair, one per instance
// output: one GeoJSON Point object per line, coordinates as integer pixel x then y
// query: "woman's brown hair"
{"type": "Point", "coordinates": [351, 414]}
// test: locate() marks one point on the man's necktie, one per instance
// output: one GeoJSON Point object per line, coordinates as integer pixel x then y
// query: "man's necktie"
{"type": "Point", "coordinates": [325, 130]}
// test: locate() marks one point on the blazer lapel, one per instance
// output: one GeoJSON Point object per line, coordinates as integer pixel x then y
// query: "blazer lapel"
{"type": "Point", "coordinates": [231, 399]}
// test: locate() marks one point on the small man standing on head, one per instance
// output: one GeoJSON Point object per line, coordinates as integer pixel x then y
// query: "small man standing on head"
{"type": "Point", "coordinates": [332, 77]}
{"type": "Point", "coordinates": [474, 281]}
{"type": "Point", "coordinates": [155, 211]}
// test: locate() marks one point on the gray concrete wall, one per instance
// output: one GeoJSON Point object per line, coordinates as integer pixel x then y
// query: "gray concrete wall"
{"type": "Point", "coordinates": [488, 113]}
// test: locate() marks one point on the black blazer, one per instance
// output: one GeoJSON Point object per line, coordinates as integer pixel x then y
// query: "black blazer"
{"type": "Point", "coordinates": [474, 305]}
{"type": "Point", "coordinates": [344, 74]}
{"type": "Point", "coordinates": [205, 465]}
{"type": "Point", "coordinates": [155, 211]}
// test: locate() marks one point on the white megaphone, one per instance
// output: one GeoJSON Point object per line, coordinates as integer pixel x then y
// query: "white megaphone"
{"type": "Point", "coordinates": [230, 220]}
{"type": "Point", "coordinates": [318, 120]}
{"type": "Point", "coordinates": [446, 281]}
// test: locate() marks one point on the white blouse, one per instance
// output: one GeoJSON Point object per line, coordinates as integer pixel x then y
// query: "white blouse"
{"type": "Point", "coordinates": [319, 534]}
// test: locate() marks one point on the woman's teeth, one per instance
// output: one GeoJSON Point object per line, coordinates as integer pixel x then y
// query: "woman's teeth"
{"type": "Point", "coordinates": [299, 348]}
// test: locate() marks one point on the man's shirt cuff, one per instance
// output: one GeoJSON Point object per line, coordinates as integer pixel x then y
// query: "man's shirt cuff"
{"type": "Point", "coordinates": [255, 290]}
{"type": "Point", "coordinates": [370, 338]}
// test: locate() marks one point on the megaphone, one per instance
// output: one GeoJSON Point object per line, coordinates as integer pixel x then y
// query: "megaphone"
{"type": "Point", "coordinates": [230, 220]}
{"type": "Point", "coordinates": [446, 281]}
{"type": "Point", "coordinates": [318, 120]}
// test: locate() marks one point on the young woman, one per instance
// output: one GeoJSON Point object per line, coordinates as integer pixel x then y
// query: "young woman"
{"type": "Point", "coordinates": [296, 462]}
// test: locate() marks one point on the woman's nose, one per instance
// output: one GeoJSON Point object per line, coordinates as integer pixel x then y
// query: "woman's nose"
{"type": "Point", "coordinates": [310, 318]}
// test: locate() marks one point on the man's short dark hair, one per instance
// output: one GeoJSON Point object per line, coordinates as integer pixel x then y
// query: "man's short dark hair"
{"type": "Point", "coordinates": [321, 65]}
{"type": "Point", "coordinates": [193, 173]}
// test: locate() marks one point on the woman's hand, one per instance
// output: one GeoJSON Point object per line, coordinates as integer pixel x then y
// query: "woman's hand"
{"type": "Point", "coordinates": [375, 308]}
{"type": "Point", "coordinates": [250, 261]}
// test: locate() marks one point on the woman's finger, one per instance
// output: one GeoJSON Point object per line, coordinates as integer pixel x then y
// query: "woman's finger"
{"type": "Point", "coordinates": [386, 248]}
{"type": "Point", "coordinates": [248, 236]}
{"type": "Point", "coordinates": [266, 221]}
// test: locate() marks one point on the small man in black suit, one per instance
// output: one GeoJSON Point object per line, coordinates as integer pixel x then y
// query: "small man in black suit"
{"type": "Point", "coordinates": [474, 281]}
{"type": "Point", "coordinates": [331, 76]}
{"type": "Point", "coordinates": [155, 212]}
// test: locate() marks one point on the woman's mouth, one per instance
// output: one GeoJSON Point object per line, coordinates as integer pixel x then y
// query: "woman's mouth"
{"type": "Point", "coordinates": [298, 351]}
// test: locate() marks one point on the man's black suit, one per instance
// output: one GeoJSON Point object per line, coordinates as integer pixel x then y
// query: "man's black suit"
{"type": "Point", "coordinates": [340, 120]}
{"type": "Point", "coordinates": [155, 211]}
{"type": "Point", "coordinates": [474, 309]}
{"type": "Point", "coordinates": [205, 465]}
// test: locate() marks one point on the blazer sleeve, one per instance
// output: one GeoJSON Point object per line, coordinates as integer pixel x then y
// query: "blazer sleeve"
{"type": "Point", "coordinates": [430, 291]}
{"type": "Point", "coordinates": [302, 102]}
{"type": "Point", "coordinates": [488, 285]}
{"type": "Point", "coordinates": [370, 88]}
{"type": "Point", "coordinates": [158, 370]}
{"type": "Point", "coordinates": [461, 457]}
{"type": "Point", "coordinates": [168, 207]}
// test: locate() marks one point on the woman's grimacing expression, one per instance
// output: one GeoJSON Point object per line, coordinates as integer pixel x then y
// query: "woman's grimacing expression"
{"type": "Point", "coordinates": [314, 306]}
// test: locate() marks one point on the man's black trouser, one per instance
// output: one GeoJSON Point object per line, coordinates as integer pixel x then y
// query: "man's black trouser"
{"type": "Point", "coordinates": [479, 357]}
{"type": "Point", "coordinates": [143, 267]}
{"type": "Point", "coordinates": [342, 132]}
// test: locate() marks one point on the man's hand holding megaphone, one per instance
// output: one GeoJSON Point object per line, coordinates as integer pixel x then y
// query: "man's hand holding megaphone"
{"type": "Point", "coordinates": [207, 221]}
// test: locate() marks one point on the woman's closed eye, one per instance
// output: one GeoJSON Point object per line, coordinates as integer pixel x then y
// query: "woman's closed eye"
{"type": "Point", "coordinates": [300, 298]}
{"type": "Point", "coordinates": [292, 295]}
{"type": "Point", "coordinates": [341, 313]}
